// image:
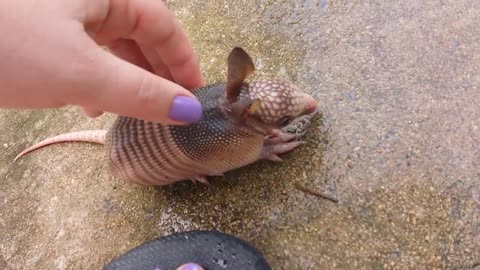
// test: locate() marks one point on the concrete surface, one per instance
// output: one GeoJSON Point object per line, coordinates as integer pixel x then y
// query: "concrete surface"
{"type": "Point", "coordinates": [398, 145]}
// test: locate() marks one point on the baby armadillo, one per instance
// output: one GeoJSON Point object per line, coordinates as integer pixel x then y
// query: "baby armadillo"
{"type": "Point", "coordinates": [241, 123]}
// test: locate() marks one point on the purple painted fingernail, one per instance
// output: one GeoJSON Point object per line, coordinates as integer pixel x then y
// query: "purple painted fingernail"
{"type": "Point", "coordinates": [186, 109]}
{"type": "Point", "coordinates": [190, 266]}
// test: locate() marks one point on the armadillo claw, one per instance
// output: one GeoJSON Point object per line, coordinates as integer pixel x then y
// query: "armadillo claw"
{"type": "Point", "coordinates": [279, 137]}
{"type": "Point", "coordinates": [274, 157]}
{"type": "Point", "coordinates": [271, 152]}
{"type": "Point", "coordinates": [201, 179]}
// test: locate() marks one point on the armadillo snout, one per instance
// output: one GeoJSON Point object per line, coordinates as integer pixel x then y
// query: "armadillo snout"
{"type": "Point", "coordinates": [310, 104]}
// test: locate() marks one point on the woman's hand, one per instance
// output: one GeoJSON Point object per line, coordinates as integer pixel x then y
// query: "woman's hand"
{"type": "Point", "coordinates": [50, 57]}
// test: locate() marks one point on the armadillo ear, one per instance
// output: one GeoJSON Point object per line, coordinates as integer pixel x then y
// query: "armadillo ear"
{"type": "Point", "coordinates": [240, 66]}
{"type": "Point", "coordinates": [246, 107]}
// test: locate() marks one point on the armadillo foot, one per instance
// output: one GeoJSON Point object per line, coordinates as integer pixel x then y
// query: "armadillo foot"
{"type": "Point", "coordinates": [271, 152]}
{"type": "Point", "coordinates": [279, 137]}
{"type": "Point", "coordinates": [274, 157]}
{"type": "Point", "coordinates": [201, 179]}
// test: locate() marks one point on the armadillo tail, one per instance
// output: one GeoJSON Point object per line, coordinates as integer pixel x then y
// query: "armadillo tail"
{"type": "Point", "coordinates": [92, 136]}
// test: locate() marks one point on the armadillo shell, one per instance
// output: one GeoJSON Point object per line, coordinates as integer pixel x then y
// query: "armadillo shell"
{"type": "Point", "coordinates": [210, 249]}
{"type": "Point", "coordinates": [152, 153]}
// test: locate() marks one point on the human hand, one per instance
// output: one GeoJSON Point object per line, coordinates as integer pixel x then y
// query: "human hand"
{"type": "Point", "coordinates": [51, 57]}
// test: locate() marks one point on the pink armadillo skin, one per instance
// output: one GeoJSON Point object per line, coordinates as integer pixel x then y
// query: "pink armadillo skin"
{"type": "Point", "coordinates": [92, 136]}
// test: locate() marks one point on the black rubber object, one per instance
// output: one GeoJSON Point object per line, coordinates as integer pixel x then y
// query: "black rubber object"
{"type": "Point", "coordinates": [210, 249]}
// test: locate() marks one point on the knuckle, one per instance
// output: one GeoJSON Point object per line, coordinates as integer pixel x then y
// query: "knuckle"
{"type": "Point", "coordinates": [169, 32]}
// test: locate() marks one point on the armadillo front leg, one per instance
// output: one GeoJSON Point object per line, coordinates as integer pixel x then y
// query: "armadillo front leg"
{"type": "Point", "coordinates": [203, 179]}
{"type": "Point", "coordinates": [200, 178]}
{"type": "Point", "coordinates": [277, 144]}
{"type": "Point", "coordinates": [279, 137]}
{"type": "Point", "coordinates": [282, 141]}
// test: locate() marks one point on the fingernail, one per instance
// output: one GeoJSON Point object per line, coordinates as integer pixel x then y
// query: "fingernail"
{"type": "Point", "coordinates": [186, 109]}
{"type": "Point", "coordinates": [190, 266]}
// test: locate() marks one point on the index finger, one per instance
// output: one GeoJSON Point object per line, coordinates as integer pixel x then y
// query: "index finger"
{"type": "Point", "coordinates": [157, 27]}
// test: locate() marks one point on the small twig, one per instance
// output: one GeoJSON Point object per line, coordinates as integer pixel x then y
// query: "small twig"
{"type": "Point", "coordinates": [315, 193]}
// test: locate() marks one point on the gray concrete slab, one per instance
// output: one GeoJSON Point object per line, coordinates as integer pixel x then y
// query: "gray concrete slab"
{"type": "Point", "coordinates": [397, 143]}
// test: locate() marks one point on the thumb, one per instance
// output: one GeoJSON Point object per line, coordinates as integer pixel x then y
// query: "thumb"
{"type": "Point", "coordinates": [108, 83]}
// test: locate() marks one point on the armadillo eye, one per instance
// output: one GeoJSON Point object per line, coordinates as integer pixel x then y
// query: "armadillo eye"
{"type": "Point", "coordinates": [284, 121]}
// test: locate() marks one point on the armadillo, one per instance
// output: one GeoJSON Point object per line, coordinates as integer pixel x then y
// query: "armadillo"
{"type": "Point", "coordinates": [241, 123]}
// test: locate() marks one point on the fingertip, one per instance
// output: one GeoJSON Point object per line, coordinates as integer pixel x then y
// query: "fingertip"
{"type": "Point", "coordinates": [92, 113]}
{"type": "Point", "coordinates": [167, 102]}
{"type": "Point", "coordinates": [185, 109]}
{"type": "Point", "coordinates": [199, 82]}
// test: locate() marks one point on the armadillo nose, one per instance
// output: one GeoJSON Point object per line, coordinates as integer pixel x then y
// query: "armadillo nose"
{"type": "Point", "coordinates": [310, 104]}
